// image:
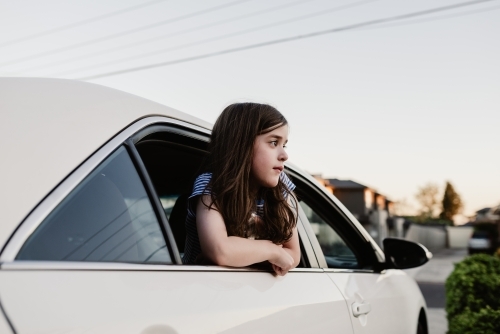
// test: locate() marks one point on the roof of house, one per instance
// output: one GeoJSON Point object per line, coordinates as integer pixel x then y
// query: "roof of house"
{"type": "Point", "coordinates": [483, 211]}
{"type": "Point", "coordinates": [346, 184]}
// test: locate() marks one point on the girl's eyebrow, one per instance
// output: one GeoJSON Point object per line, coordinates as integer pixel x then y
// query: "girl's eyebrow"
{"type": "Point", "coordinates": [278, 137]}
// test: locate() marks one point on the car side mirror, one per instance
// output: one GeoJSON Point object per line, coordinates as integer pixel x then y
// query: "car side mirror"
{"type": "Point", "coordinates": [404, 254]}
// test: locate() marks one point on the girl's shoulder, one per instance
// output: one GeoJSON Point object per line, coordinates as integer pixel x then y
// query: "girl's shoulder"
{"type": "Point", "coordinates": [200, 186]}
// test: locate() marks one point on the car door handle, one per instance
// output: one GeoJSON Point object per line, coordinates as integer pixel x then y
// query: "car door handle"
{"type": "Point", "coordinates": [360, 308]}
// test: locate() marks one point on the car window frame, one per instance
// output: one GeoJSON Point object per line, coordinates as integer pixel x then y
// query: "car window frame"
{"type": "Point", "coordinates": [128, 137]}
{"type": "Point", "coordinates": [348, 231]}
{"type": "Point", "coordinates": [128, 164]}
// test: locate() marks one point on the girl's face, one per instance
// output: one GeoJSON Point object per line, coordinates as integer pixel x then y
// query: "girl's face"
{"type": "Point", "coordinates": [269, 157]}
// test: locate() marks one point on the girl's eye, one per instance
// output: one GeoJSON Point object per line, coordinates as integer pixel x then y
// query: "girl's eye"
{"type": "Point", "coordinates": [274, 143]}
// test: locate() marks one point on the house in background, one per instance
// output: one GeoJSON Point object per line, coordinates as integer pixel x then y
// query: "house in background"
{"type": "Point", "coordinates": [371, 208]}
{"type": "Point", "coordinates": [488, 216]}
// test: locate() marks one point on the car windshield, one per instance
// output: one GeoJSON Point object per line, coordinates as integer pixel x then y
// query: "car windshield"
{"type": "Point", "coordinates": [480, 234]}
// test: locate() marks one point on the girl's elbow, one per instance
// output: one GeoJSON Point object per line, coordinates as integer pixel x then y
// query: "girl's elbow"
{"type": "Point", "coordinates": [220, 260]}
{"type": "Point", "coordinates": [296, 258]}
{"type": "Point", "coordinates": [219, 257]}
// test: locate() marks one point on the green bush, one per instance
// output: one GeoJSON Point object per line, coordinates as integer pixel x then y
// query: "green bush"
{"type": "Point", "coordinates": [473, 292]}
{"type": "Point", "coordinates": [486, 321]}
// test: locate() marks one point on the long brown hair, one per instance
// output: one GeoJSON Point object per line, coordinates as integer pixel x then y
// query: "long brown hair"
{"type": "Point", "coordinates": [230, 160]}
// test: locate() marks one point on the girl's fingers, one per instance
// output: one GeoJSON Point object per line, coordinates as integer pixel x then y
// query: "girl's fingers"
{"type": "Point", "coordinates": [279, 271]}
{"type": "Point", "coordinates": [276, 269]}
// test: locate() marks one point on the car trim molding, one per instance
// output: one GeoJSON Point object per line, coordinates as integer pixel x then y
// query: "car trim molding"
{"type": "Point", "coordinates": [117, 266]}
{"type": "Point", "coordinates": [344, 270]}
{"type": "Point", "coordinates": [49, 203]}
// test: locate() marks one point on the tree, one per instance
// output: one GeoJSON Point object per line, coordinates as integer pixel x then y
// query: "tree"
{"type": "Point", "coordinates": [427, 197]}
{"type": "Point", "coordinates": [451, 203]}
{"type": "Point", "coordinates": [403, 208]}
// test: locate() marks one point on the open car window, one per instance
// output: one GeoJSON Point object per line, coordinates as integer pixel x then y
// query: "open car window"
{"type": "Point", "coordinates": [173, 161]}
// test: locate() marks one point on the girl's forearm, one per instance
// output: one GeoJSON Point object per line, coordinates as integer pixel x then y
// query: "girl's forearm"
{"type": "Point", "coordinates": [294, 254]}
{"type": "Point", "coordinates": [242, 252]}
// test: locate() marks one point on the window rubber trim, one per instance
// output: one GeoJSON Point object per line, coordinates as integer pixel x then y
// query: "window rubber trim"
{"type": "Point", "coordinates": [155, 200]}
{"type": "Point", "coordinates": [7, 319]}
{"type": "Point", "coordinates": [306, 250]}
{"type": "Point", "coordinates": [170, 128]}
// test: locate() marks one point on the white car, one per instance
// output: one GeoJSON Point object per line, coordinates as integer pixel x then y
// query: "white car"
{"type": "Point", "coordinates": [481, 242]}
{"type": "Point", "coordinates": [93, 184]}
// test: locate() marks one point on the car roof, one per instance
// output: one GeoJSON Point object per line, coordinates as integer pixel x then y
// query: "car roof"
{"type": "Point", "coordinates": [49, 127]}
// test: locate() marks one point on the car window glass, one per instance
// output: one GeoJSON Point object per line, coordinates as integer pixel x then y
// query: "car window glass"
{"type": "Point", "coordinates": [335, 250]}
{"type": "Point", "coordinates": [107, 218]}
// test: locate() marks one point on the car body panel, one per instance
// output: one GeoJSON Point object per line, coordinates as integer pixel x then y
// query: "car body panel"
{"type": "Point", "coordinates": [390, 293]}
{"type": "Point", "coordinates": [32, 114]}
{"type": "Point", "coordinates": [172, 301]}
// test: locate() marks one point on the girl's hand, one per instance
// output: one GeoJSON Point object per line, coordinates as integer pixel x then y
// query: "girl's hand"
{"type": "Point", "coordinates": [282, 262]}
{"type": "Point", "coordinates": [278, 271]}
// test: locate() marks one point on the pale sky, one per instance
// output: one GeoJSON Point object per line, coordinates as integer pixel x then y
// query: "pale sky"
{"type": "Point", "coordinates": [391, 107]}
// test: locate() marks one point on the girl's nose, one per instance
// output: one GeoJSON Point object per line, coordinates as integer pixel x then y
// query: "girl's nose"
{"type": "Point", "coordinates": [283, 155]}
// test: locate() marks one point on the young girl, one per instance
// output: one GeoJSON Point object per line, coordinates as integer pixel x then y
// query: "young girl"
{"type": "Point", "coordinates": [241, 210]}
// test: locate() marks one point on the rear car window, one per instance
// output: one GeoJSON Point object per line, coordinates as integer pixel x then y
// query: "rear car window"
{"type": "Point", "coordinates": [107, 218]}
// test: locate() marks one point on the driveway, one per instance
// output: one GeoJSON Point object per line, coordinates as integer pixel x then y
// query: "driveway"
{"type": "Point", "coordinates": [430, 278]}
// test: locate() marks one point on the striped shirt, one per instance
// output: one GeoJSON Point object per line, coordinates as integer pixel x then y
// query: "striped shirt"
{"type": "Point", "coordinates": [201, 187]}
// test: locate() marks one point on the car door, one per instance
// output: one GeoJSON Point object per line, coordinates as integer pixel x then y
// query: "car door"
{"type": "Point", "coordinates": [98, 255]}
{"type": "Point", "coordinates": [386, 301]}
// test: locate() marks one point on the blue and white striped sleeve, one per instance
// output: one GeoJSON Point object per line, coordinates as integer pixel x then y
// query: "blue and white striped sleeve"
{"type": "Point", "coordinates": [288, 183]}
{"type": "Point", "coordinates": [200, 185]}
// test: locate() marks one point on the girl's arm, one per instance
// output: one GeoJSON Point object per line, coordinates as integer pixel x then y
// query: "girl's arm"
{"type": "Point", "coordinates": [292, 246]}
{"type": "Point", "coordinates": [233, 251]}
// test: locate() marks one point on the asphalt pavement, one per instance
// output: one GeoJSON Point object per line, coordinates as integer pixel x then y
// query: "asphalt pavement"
{"type": "Point", "coordinates": [431, 278]}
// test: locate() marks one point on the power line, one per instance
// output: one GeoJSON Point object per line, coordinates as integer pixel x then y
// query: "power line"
{"type": "Point", "coordinates": [436, 18]}
{"type": "Point", "coordinates": [284, 40]}
{"type": "Point", "coordinates": [79, 23]}
{"type": "Point", "coordinates": [177, 33]}
{"type": "Point", "coordinates": [217, 38]}
{"type": "Point", "coordinates": [124, 33]}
